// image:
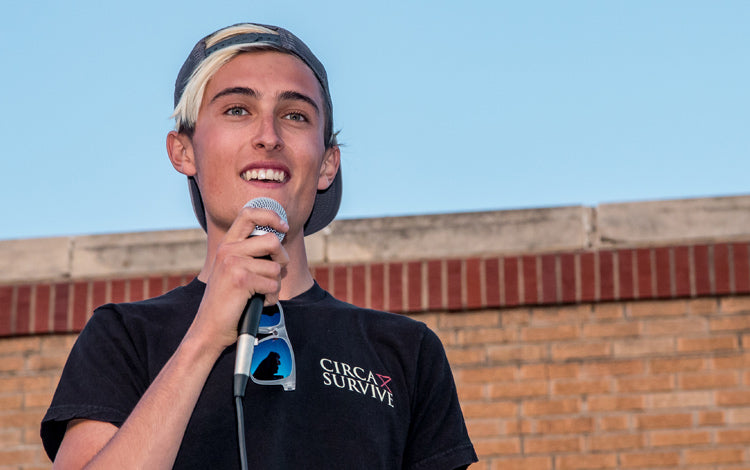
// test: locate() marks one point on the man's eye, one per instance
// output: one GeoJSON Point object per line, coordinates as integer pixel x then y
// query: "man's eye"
{"type": "Point", "coordinates": [236, 111]}
{"type": "Point", "coordinates": [296, 117]}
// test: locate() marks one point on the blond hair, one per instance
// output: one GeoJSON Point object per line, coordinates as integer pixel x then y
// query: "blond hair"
{"type": "Point", "coordinates": [186, 111]}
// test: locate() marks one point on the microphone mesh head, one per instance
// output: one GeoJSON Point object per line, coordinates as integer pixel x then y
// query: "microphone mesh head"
{"type": "Point", "coordinates": [271, 204]}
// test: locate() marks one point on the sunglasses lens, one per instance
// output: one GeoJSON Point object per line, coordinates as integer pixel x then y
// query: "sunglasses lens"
{"type": "Point", "coordinates": [270, 317]}
{"type": "Point", "coordinates": [272, 360]}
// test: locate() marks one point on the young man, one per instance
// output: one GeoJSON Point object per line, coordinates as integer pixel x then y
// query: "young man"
{"type": "Point", "coordinates": [149, 384]}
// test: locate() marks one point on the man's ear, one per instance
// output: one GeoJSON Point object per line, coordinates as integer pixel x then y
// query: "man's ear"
{"type": "Point", "coordinates": [329, 167]}
{"type": "Point", "coordinates": [180, 150]}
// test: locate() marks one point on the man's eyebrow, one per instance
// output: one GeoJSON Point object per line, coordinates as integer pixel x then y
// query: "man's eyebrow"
{"type": "Point", "coordinates": [297, 96]}
{"type": "Point", "coordinates": [235, 91]}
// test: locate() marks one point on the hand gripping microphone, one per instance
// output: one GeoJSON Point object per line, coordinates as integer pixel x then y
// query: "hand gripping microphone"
{"type": "Point", "coordinates": [248, 326]}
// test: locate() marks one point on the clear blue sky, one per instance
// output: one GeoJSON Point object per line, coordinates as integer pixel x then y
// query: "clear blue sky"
{"type": "Point", "coordinates": [443, 106]}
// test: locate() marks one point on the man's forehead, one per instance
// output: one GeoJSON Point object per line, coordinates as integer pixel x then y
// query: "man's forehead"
{"type": "Point", "coordinates": [250, 69]}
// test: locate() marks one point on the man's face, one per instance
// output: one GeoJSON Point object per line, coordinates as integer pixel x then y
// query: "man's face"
{"type": "Point", "coordinates": [259, 132]}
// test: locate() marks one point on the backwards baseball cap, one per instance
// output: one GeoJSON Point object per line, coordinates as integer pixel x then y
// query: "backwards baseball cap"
{"type": "Point", "coordinates": [327, 201]}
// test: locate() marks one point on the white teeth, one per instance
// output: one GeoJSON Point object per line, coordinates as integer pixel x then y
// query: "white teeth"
{"type": "Point", "coordinates": [264, 175]}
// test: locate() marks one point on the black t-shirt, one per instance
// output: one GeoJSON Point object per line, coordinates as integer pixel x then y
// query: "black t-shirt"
{"type": "Point", "coordinates": [374, 389]}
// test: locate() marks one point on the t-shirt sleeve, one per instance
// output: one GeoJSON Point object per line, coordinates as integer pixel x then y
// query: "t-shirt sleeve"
{"type": "Point", "coordinates": [438, 438]}
{"type": "Point", "coordinates": [102, 379]}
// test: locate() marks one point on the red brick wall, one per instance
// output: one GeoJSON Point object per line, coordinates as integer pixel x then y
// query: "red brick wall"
{"type": "Point", "coordinates": [617, 358]}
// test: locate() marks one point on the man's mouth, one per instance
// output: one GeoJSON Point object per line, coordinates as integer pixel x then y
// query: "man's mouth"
{"type": "Point", "coordinates": [267, 174]}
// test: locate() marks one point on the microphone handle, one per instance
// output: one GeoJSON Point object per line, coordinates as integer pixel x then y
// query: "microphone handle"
{"type": "Point", "coordinates": [248, 330]}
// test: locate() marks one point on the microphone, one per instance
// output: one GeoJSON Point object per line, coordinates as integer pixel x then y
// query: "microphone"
{"type": "Point", "coordinates": [250, 319]}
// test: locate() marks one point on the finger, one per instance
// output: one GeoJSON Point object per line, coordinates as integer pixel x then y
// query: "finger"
{"type": "Point", "coordinates": [251, 217]}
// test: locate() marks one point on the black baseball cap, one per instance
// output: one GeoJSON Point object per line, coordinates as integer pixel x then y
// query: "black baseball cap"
{"type": "Point", "coordinates": [327, 201]}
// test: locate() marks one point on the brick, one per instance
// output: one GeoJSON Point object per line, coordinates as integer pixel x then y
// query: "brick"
{"type": "Point", "coordinates": [454, 284]}
{"type": "Point", "coordinates": [615, 403]}
{"type": "Point", "coordinates": [717, 380]}
{"type": "Point", "coordinates": [664, 421]}
{"type": "Point", "coordinates": [512, 286]}
{"type": "Point", "coordinates": [359, 290]}
{"type": "Point", "coordinates": [492, 282]}
{"type": "Point", "coordinates": [580, 387]}
{"type": "Point", "coordinates": [606, 276]}
{"type": "Point", "coordinates": [19, 457]}
{"type": "Point", "coordinates": [17, 345]}
{"type": "Point", "coordinates": [549, 371]}
{"type": "Point", "coordinates": [530, 277]}
{"type": "Point", "coordinates": [529, 388]}
{"type": "Point", "coordinates": [733, 397]}
{"type": "Point", "coordinates": [611, 330]}
{"type": "Point", "coordinates": [733, 436]}
{"type": "Point", "coordinates": [574, 314]}
{"type": "Point", "coordinates": [740, 415]}
{"type": "Point", "coordinates": [679, 438]}
{"type": "Point", "coordinates": [468, 392]}
{"type": "Point", "coordinates": [495, 409]}
{"type": "Point", "coordinates": [468, 320]}
{"type": "Point", "coordinates": [37, 400]}
{"type": "Point", "coordinates": [711, 418]}
{"type": "Point", "coordinates": [474, 286]}
{"type": "Point", "coordinates": [512, 352]}
{"type": "Point", "coordinates": [702, 270]}
{"type": "Point", "coordinates": [552, 333]}
{"type": "Point", "coordinates": [483, 427]}
{"type": "Point", "coordinates": [10, 402]}
{"type": "Point", "coordinates": [81, 308]}
{"type": "Point", "coordinates": [713, 343]}
{"type": "Point", "coordinates": [657, 308]}
{"type": "Point", "coordinates": [681, 255]}
{"type": "Point", "coordinates": [645, 384]}
{"type": "Point", "coordinates": [713, 456]}
{"type": "Point", "coordinates": [378, 287]}
{"type": "Point", "coordinates": [537, 445]}
{"type": "Point", "coordinates": [625, 260]}
{"type": "Point", "coordinates": [741, 262]}
{"type": "Point", "coordinates": [614, 368]}
{"type": "Point", "coordinates": [609, 311]}
{"type": "Point", "coordinates": [562, 352]}
{"type": "Point", "coordinates": [568, 282]}
{"type": "Point", "coordinates": [675, 326]}
{"type": "Point", "coordinates": [585, 461]}
{"type": "Point", "coordinates": [722, 275]}
{"type": "Point", "coordinates": [663, 272]}
{"type": "Point", "coordinates": [613, 423]}
{"type": "Point", "coordinates": [681, 400]}
{"type": "Point", "coordinates": [518, 427]}
{"type": "Point", "coordinates": [646, 277]}
{"type": "Point", "coordinates": [730, 323]}
{"type": "Point", "coordinates": [466, 356]}
{"type": "Point", "coordinates": [497, 446]}
{"type": "Point", "coordinates": [476, 336]}
{"type": "Point", "coordinates": [23, 309]}
{"type": "Point", "coordinates": [486, 374]}
{"type": "Point", "coordinates": [615, 442]}
{"type": "Point", "coordinates": [523, 463]}
{"type": "Point", "coordinates": [549, 279]}
{"type": "Point", "coordinates": [588, 277]}
{"type": "Point", "coordinates": [703, 306]}
{"type": "Point", "coordinates": [565, 425]}
{"type": "Point", "coordinates": [551, 407]}
{"type": "Point", "coordinates": [643, 347]}
{"type": "Point", "coordinates": [650, 459]}
{"type": "Point", "coordinates": [659, 366]}
{"type": "Point", "coordinates": [42, 310]}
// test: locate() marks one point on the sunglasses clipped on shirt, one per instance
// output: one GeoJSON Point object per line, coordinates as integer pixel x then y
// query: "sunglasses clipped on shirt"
{"type": "Point", "coordinates": [273, 357]}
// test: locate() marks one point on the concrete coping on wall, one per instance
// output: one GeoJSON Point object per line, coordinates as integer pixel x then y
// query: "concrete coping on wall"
{"type": "Point", "coordinates": [547, 229]}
